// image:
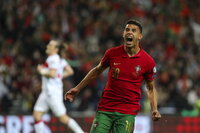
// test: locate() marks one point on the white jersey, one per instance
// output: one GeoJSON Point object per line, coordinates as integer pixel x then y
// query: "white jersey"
{"type": "Point", "coordinates": [54, 85]}
{"type": "Point", "coordinates": [52, 88]}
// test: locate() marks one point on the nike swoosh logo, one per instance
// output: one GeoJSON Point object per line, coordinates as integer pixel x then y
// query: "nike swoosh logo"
{"type": "Point", "coordinates": [116, 63]}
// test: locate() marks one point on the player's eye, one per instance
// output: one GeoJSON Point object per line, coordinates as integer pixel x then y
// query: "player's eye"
{"type": "Point", "coordinates": [127, 29]}
{"type": "Point", "coordinates": [133, 30]}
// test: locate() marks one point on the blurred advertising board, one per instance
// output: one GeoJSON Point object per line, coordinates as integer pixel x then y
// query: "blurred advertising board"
{"type": "Point", "coordinates": [177, 124]}
{"type": "Point", "coordinates": [142, 124]}
{"type": "Point", "coordinates": [168, 124]}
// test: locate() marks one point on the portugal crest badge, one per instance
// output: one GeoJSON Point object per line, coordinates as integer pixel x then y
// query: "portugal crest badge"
{"type": "Point", "coordinates": [137, 69]}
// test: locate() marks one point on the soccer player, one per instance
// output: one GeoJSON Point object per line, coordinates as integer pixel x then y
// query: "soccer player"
{"type": "Point", "coordinates": [52, 73]}
{"type": "Point", "coordinates": [128, 66]}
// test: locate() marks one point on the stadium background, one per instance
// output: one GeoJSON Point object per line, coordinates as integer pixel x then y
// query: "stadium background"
{"type": "Point", "coordinates": [87, 28]}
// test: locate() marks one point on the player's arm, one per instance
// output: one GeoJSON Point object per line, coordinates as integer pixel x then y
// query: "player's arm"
{"type": "Point", "coordinates": [68, 71]}
{"type": "Point", "coordinates": [51, 73]}
{"type": "Point", "coordinates": [152, 95]}
{"type": "Point", "coordinates": [91, 75]}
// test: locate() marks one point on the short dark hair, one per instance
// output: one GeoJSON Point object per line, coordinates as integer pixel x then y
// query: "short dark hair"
{"type": "Point", "coordinates": [135, 22]}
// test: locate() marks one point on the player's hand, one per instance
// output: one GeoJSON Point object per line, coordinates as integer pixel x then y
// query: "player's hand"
{"type": "Point", "coordinates": [71, 94]}
{"type": "Point", "coordinates": [39, 67]}
{"type": "Point", "coordinates": [156, 115]}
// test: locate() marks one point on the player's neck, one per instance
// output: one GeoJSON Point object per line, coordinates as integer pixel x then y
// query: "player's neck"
{"type": "Point", "coordinates": [132, 50]}
{"type": "Point", "coordinates": [53, 53]}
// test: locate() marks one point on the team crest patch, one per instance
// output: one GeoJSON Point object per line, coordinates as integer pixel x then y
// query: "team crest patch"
{"type": "Point", "coordinates": [137, 68]}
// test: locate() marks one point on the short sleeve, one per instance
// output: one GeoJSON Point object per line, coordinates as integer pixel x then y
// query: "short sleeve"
{"type": "Point", "coordinates": [105, 59]}
{"type": "Point", "coordinates": [151, 71]}
{"type": "Point", "coordinates": [64, 63]}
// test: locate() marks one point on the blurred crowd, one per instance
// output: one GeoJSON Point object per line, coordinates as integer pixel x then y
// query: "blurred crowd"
{"type": "Point", "coordinates": [87, 28]}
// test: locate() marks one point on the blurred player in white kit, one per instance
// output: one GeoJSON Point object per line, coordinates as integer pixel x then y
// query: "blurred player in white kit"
{"type": "Point", "coordinates": [51, 96]}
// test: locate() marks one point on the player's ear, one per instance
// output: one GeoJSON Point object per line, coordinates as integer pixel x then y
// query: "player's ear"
{"type": "Point", "coordinates": [140, 36]}
{"type": "Point", "coordinates": [57, 50]}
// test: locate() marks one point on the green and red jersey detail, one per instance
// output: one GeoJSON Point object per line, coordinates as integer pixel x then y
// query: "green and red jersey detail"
{"type": "Point", "coordinates": [122, 92]}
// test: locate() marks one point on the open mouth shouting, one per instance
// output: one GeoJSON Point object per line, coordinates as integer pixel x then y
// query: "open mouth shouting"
{"type": "Point", "coordinates": [129, 39]}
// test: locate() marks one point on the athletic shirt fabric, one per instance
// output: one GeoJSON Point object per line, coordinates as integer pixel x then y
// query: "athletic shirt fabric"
{"type": "Point", "coordinates": [54, 85]}
{"type": "Point", "coordinates": [122, 91]}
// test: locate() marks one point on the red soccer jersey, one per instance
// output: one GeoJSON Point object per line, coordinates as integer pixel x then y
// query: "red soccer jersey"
{"type": "Point", "coordinates": [122, 92]}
